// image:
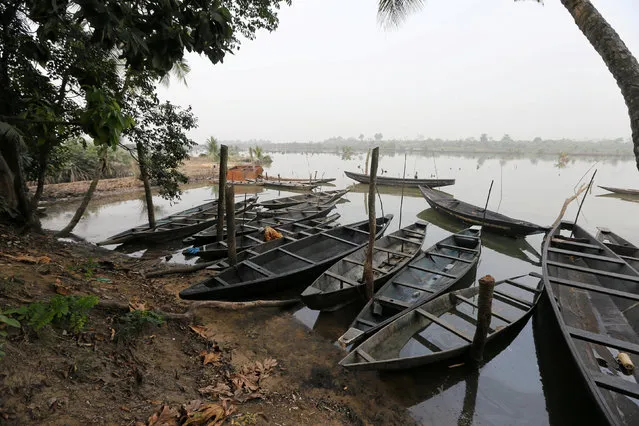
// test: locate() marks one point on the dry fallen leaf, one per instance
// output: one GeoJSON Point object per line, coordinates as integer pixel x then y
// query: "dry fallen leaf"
{"type": "Point", "coordinates": [112, 334]}
{"type": "Point", "coordinates": [61, 288]}
{"type": "Point", "coordinates": [210, 357]}
{"type": "Point", "coordinates": [166, 416]}
{"type": "Point", "coordinates": [27, 258]}
{"type": "Point", "coordinates": [201, 330]}
{"type": "Point", "coordinates": [210, 414]}
{"type": "Point", "coordinates": [220, 389]}
{"type": "Point", "coordinates": [137, 306]}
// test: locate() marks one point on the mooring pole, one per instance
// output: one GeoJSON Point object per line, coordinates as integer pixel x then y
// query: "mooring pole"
{"type": "Point", "coordinates": [224, 156]}
{"type": "Point", "coordinates": [230, 224]}
{"type": "Point", "coordinates": [583, 199]}
{"type": "Point", "coordinates": [372, 226]}
{"type": "Point", "coordinates": [401, 201]}
{"type": "Point", "coordinates": [484, 315]}
{"type": "Point", "coordinates": [483, 219]}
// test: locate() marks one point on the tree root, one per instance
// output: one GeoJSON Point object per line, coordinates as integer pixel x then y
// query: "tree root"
{"type": "Point", "coordinates": [176, 270]}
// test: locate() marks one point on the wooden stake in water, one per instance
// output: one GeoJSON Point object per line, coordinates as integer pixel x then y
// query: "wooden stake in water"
{"type": "Point", "coordinates": [584, 199]}
{"type": "Point", "coordinates": [230, 224]}
{"type": "Point", "coordinates": [372, 225]}
{"type": "Point", "coordinates": [224, 156]}
{"type": "Point", "coordinates": [484, 316]}
{"type": "Point", "coordinates": [401, 201]}
{"type": "Point", "coordinates": [483, 219]}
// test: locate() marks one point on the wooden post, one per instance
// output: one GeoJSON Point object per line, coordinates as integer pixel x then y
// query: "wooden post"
{"type": "Point", "coordinates": [372, 227]}
{"type": "Point", "coordinates": [224, 156]}
{"type": "Point", "coordinates": [230, 224]}
{"type": "Point", "coordinates": [484, 315]}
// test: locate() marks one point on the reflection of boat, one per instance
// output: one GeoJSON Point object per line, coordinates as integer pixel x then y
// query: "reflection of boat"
{"type": "Point", "coordinates": [517, 248]}
{"type": "Point", "coordinates": [288, 266]}
{"type": "Point", "coordinates": [177, 225]}
{"type": "Point", "coordinates": [493, 221]}
{"type": "Point", "coordinates": [316, 197]}
{"type": "Point", "coordinates": [624, 248]}
{"type": "Point", "coordinates": [396, 181]}
{"type": "Point", "coordinates": [621, 191]}
{"type": "Point", "coordinates": [304, 228]}
{"type": "Point", "coordinates": [429, 275]}
{"type": "Point", "coordinates": [560, 377]}
{"type": "Point", "coordinates": [362, 188]}
{"type": "Point", "coordinates": [594, 295]}
{"type": "Point", "coordinates": [443, 328]}
{"type": "Point", "coordinates": [343, 282]}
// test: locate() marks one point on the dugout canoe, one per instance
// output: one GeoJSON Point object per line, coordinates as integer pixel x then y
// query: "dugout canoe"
{"type": "Point", "coordinates": [443, 328]}
{"type": "Point", "coordinates": [622, 247]}
{"type": "Point", "coordinates": [621, 191]}
{"type": "Point", "coordinates": [304, 228]}
{"type": "Point", "coordinates": [325, 197]}
{"type": "Point", "coordinates": [468, 213]}
{"type": "Point", "coordinates": [287, 266]}
{"type": "Point", "coordinates": [429, 275]}
{"type": "Point", "coordinates": [342, 283]}
{"type": "Point", "coordinates": [396, 181]}
{"type": "Point", "coordinates": [177, 225]}
{"type": "Point", "coordinates": [594, 295]}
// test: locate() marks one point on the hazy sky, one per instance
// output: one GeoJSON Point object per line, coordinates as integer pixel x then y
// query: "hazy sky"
{"type": "Point", "coordinates": [452, 70]}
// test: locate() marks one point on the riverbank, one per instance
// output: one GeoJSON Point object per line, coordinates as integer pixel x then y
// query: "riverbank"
{"type": "Point", "coordinates": [257, 366]}
{"type": "Point", "coordinates": [197, 169]}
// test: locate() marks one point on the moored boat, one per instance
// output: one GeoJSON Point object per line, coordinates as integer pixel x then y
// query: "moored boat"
{"type": "Point", "coordinates": [325, 197]}
{"type": "Point", "coordinates": [594, 295]}
{"type": "Point", "coordinates": [280, 184]}
{"type": "Point", "coordinates": [468, 213]}
{"type": "Point", "coordinates": [443, 328]}
{"type": "Point", "coordinates": [622, 191]}
{"type": "Point", "coordinates": [177, 225]}
{"type": "Point", "coordinates": [622, 247]}
{"type": "Point", "coordinates": [429, 275]}
{"type": "Point", "coordinates": [342, 283]}
{"type": "Point", "coordinates": [396, 181]}
{"type": "Point", "coordinates": [304, 228]}
{"type": "Point", "coordinates": [290, 265]}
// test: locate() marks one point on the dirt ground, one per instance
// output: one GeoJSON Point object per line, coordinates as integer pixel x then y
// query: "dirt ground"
{"type": "Point", "coordinates": [242, 367]}
{"type": "Point", "coordinates": [197, 169]}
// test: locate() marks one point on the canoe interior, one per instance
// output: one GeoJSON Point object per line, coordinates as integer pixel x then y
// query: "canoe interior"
{"type": "Point", "coordinates": [447, 204]}
{"type": "Point", "coordinates": [343, 282]}
{"type": "Point", "coordinates": [595, 295]}
{"type": "Point", "coordinates": [318, 197]}
{"type": "Point", "coordinates": [444, 327]}
{"type": "Point", "coordinates": [624, 248]}
{"type": "Point", "coordinates": [427, 276]}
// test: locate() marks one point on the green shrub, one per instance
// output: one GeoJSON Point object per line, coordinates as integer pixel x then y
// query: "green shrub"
{"type": "Point", "coordinates": [64, 311]}
{"type": "Point", "coordinates": [5, 321]}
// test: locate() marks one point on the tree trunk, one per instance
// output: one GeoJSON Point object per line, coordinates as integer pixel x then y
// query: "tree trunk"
{"type": "Point", "coordinates": [617, 57]}
{"type": "Point", "coordinates": [144, 175]}
{"type": "Point", "coordinates": [224, 157]}
{"type": "Point", "coordinates": [85, 201]}
{"type": "Point", "coordinates": [7, 192]}
{"type": "Point", "coordinates": [43, 159]}
{"type": "Point", "coordinates": [372, 227]}
{"type": "Point", "coordinates": [10, 150]}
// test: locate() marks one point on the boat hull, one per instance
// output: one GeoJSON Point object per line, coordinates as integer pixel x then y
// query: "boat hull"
{"type": "Point", "coordinates": [391, 181]}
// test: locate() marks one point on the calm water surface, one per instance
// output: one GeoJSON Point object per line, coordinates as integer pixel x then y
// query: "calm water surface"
{"type": "Point", "coordinates": [528, 377]}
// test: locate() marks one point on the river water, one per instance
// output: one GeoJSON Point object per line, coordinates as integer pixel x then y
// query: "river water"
{"type": "Point", "coordinates": [528, 378]}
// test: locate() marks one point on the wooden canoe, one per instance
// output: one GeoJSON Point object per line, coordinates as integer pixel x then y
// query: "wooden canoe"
{"type": "Point", "coordinates": [622, 191]}
{"type": "Point", "coordinates": [429, 275]}
{"type": "Point", "coordinates": [293, 264]}
{"type": "Point", "coordinates": [177, 225]}
{"type": "Point", "coordinates": [594, 295]}
{"type": "Point", "coordinates": [443, 328]}
{"type": "Point", "coordinates": [342, 283]}
{"type": "Point", "coordinates": [304, 228]}
{"type": "Point", "coordinates": [325, 197]}
{"type": "Point", "coordinates": [287, 185]}
{"type": "Point", "coordinates": [252, 222]}
{"type": "Point", "coordinates": [395, 181]}
{"type": "Point", "coordinates": [468, 213]}
{"type": "Point", "coordinates": [622, 247]}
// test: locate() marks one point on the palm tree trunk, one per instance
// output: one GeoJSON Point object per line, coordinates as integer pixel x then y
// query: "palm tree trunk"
{"type": "Point", "coordinates": [616, 55]}
{"type": "Point", "coordinates": [85, 201]}
{"type": "Point", "coordinates": [144, 175]}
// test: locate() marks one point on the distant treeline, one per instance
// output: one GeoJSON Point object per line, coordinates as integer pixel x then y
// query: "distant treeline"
{"type": "Point", "coordinates": [483, 145]}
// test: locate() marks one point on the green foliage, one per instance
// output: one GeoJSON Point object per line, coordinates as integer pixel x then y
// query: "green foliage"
{"type": "Point", "coordinates": [256, 154]}
{"type": "Point", "coordinates": [65, 311]}
{"type": "Point", "coordinates": [213, 149]}
{"type": "Point", "coordinates": [5, 321]}
{"type": "Point", "coordinates": [87, 268]}
{"type": "Point", "coordinates": [133, 323]}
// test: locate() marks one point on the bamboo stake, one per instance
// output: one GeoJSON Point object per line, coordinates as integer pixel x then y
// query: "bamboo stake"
{"type": "Point", "coordinates": [372, 227]}
{"type": "Point", "coordinates": [224, 156]}
{"type": "Point", "coordinates": [401, 201]}
{"type": "Point", "coordinates": [583, 199]}
{"type": "Point", "coordinates": [484, 315]}
{"type": "Point", "coordinates": [483, 219]}
{"type": "Point", "coordinates": [230, 224]}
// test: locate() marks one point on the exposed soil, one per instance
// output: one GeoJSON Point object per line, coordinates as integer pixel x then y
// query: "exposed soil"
{"type": "Point", "coordinates": [197, 169]}
{"type": "Point", "coordinates": [108, 374]}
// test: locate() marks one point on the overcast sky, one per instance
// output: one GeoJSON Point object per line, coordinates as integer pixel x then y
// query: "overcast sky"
{"type": "Point", "coordinates": [454, 69]}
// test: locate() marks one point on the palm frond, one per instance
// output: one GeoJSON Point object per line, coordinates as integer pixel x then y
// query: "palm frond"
{"type": "Point", "coordinates": [392, 13]}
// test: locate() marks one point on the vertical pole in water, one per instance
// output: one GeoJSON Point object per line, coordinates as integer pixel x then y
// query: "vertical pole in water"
{"type": "Point", "coordinates": [583, 199]}
{"type": "Point", "coordinates": [230, 224]}
{"type": "Point", "coordinates": [372, 227]}
{"type": "Point", "coordinates": [224, 156]}
{"type": "Point", "coordinates": [401, 202]}
{"type": "Point", "coordinates": [483, 219]}
{"type": "Point", "coordinates": [484, 315]}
